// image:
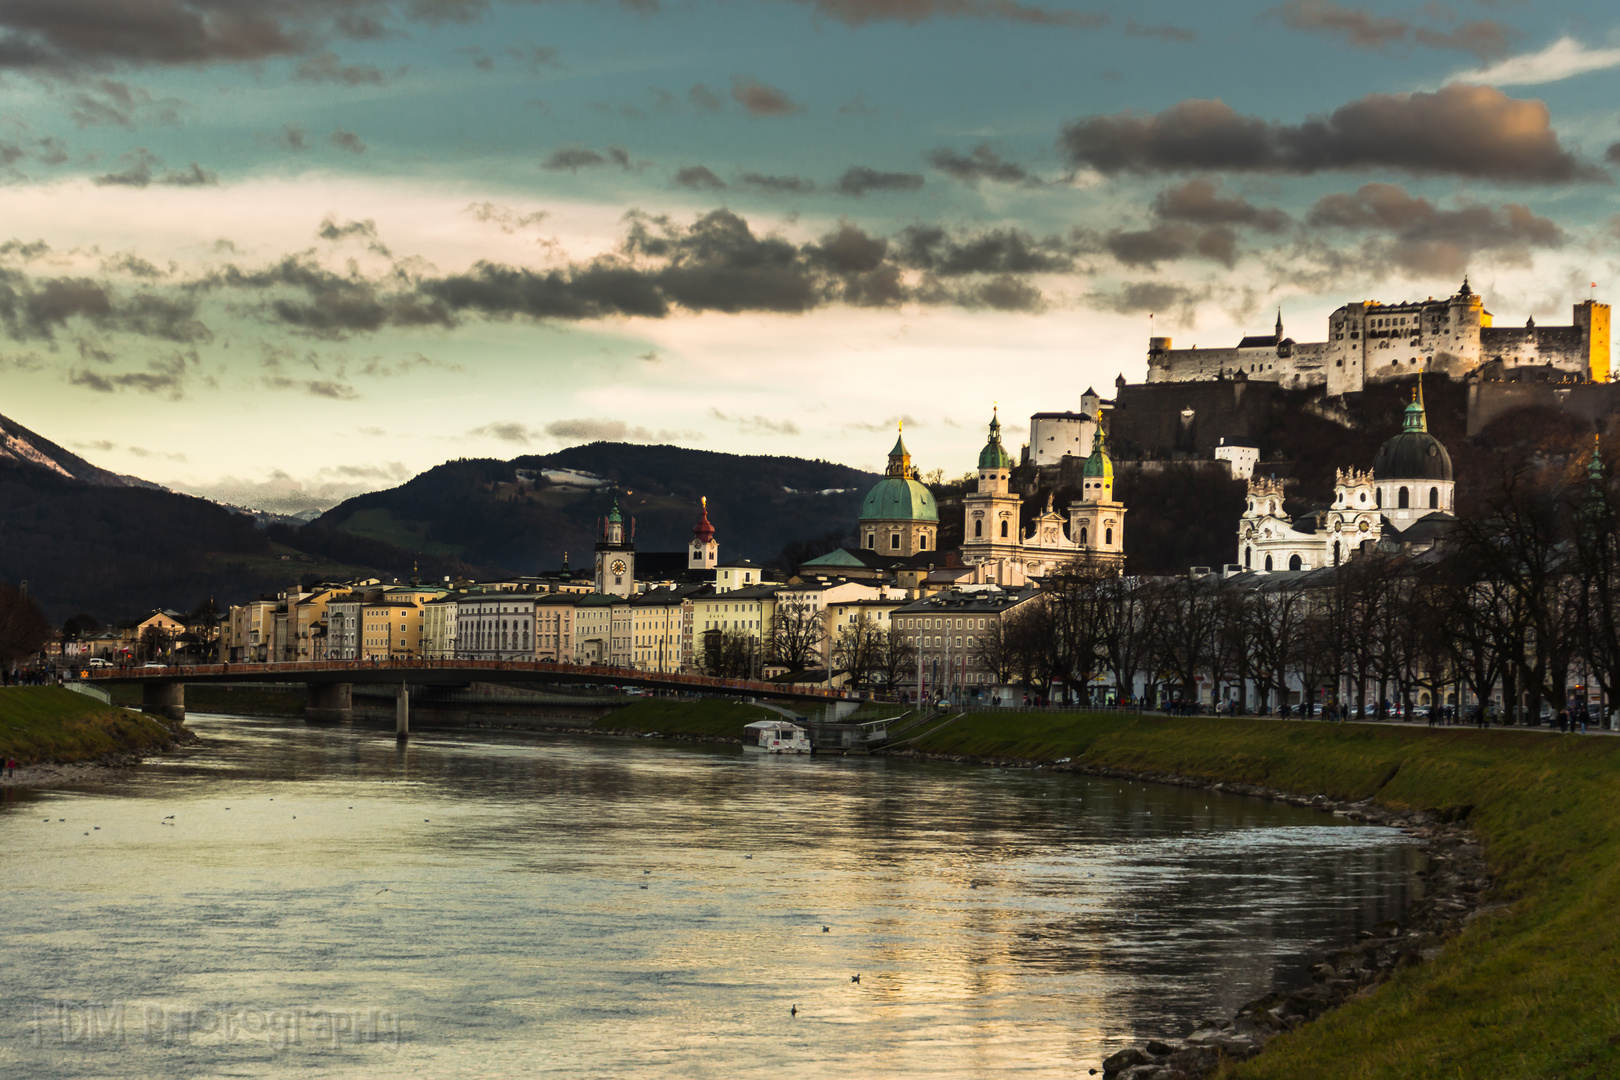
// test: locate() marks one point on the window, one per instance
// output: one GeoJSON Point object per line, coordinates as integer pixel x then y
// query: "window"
{"type": "Point", "coordinates": [922, 541]}
{"type": "Point", "coordinates": [978, 529]}
{"type": "Point", "coordinates": [1248, 554]}
{"type": "Point", "coordinates": [894, 540]}
{"type": "Point", "coordinates": [1434, 498]}
{"type": "Point", "coordinates": [1108, 537]}
{"type": "Point", "coordinates": [1268, 562]}
{"type": "Point", "coordinates": [1003, 529]}
{"type": "Point", "coordinates": [871, 541]}
{"type": "Point", "coordinates": [1294, 562]}
{"type": "Point", "coordinates": [1403, 499]}
{"type": "Point", "coordinates": [1083, 532]}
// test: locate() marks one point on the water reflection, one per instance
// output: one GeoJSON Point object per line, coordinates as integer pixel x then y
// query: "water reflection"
{"type": "Point", "coordinates": [571, 906]}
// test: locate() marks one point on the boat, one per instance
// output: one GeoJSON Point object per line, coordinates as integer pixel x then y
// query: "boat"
{"type": "Point", "coordinates": [775, 737]}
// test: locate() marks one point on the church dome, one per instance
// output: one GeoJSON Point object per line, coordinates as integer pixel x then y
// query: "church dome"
{"type": "Point", "coordinates": [896, 499]}
{"type": "Point", "coordinates": [1413, 454]}
{"type": "Point", "coordinates": [1099, 465]}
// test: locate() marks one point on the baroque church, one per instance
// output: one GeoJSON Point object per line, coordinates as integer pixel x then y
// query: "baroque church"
{"type": "Point", "coordinates": [1407, 498]}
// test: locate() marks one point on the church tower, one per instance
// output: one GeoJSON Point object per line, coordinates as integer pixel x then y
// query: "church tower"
{"type": "Point", "coordinates": [991, 529]}
{"type": "Point", "coordinates": [616, 556]}
{"type": "Point", "coordinates": [1096, 521]}
{"type": "Point", "coordinates": [899, 516]}
{"type": "Point", "coordinates": [704, 553]}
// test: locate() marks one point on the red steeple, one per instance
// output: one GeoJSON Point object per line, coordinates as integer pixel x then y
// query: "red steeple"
{"type": "Point", "coordinates": [703, 532]}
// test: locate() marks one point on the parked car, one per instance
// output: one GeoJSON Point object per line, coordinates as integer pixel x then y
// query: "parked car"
{"type": "Point", "coordinates": [96, 661]}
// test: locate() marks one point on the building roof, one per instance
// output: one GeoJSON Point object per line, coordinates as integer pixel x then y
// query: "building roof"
{"type": "Point", "coordinates": [1413, 454]}
{"type": "Point", "coordinates": [1099, 463]}
{"type": "Point", "coordinates": [839, 557]}
{"type": "Point", "coordinates": [989, 599]}
{"type": "Point", "coordinates": [994, 455]}
{"type": "Point", "coordinates": [1060, 416]}
{"type": "Point", "coordinates": [896, 499]}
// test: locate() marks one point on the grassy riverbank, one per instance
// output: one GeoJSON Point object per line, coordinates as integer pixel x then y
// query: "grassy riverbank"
{"type": "Point", "coordinates": [229, 700]}
{"type": "Point", "coordinates": [714, 719]}
{"type": "Point", "coordinates": [43, 723]}
{"type": "Point", "coordinates": [1534, 992]}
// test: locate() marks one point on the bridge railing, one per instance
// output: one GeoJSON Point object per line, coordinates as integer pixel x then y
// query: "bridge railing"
{"type": "Point", "coordinates": [593, 672]}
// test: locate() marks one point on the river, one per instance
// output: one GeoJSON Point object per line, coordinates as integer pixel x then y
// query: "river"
{"type": "Point", "coordinates": [289, 899]}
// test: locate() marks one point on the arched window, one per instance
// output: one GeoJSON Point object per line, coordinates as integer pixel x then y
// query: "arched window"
{"type": "Point", "coordinates": [1294, 562]}
{"type": "Point", "coordinates": [871, 540]}
{"type": "Point", "coordinates": [1083, 531]}
{"type": "Point", "coordinates": [1335, 553]}
{"type": "Point", "coordinates": [1003, 529]}
{"type": "Point", "coordinates": [1108, 537]}
{"type": "Point", "coordinates": [1268, 562]}
{"type": "Point", "coordinates": [1434, 498]}
{"type": "Point", "coordinates": [978, 529]}
{"type": "Point", "coordinates": [1248, 555]}
{"type": "Point", "coordinates": [1403, 499]}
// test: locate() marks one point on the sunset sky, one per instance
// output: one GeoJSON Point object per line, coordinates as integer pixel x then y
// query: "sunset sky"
{"type": "Point", "coordinates": [281, 251]}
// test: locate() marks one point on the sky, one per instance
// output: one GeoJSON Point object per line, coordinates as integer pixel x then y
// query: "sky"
{"type": "Point", "coordinates": [278, 252]}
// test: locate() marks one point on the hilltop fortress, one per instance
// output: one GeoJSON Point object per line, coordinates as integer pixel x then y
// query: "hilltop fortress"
{"type": "Point", "coordinates": [1372, 342]}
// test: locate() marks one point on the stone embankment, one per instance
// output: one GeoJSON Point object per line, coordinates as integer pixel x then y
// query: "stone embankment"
{"type": "Point", "coordinates": [1452, 889]}
{"type": "Point", "coordinates": [48, 772]}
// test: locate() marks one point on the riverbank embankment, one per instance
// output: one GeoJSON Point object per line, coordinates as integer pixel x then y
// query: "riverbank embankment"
{"type": "Point", "coordinates": [59, 737]}
{"type": "Point", "coordinates": [1533, 990]}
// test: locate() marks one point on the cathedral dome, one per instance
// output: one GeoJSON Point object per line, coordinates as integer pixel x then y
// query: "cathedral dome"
{"type": "Point", "coordinates": [897, 499]}
{"type": "Point", "coordinates": [1413, 454]}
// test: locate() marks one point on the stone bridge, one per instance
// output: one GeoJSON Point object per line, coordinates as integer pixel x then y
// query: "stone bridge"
{"type": "Point", "coordinates": [330, 683]}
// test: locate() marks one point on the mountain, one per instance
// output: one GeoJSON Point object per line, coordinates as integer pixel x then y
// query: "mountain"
{"type": "Point", "coordinates": [525, 514]}
{"type": "Point", "coordinates": [21, 447]}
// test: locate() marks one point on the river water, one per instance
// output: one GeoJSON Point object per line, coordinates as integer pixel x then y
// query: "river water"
{"type": "Point", "coordinates": [317, 901]}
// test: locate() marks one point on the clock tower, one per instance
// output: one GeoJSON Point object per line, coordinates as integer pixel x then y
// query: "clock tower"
{"type": "Point", "coordinates": [616, 555]}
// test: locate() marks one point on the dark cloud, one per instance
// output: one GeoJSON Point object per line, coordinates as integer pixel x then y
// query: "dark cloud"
{"type": "Point", "coordinates": [141, 170]}
{"type": "Point", "coordinates": [323, 388]}
{"type": "Point", "coordinates": [504, 218]}
{"type": "Point", "coordinates": [1199, 201]}
{"type": "Point", "coordinates": [326, 66]}
{"type": "Point", "coordinates": [1366, 30]}
{"type": "Point", "coordinates": [1163, 31]}
{"type": "Point", "coordinates": [860, 179]}
{"type": "Point", "coordinates": [980, 163]}
{"type": "Point", "coordinates": [1422, 238]}
{"type": "Point", "coordinates": [365, 231]}
{"type": "Point", "coordinates": [698, 178]}
{"type": "Point", "coordinates": [292, 137]}
{"type": "Point", "coordinates": [507, 431]}
{"type": "Point", "coordinates": [165, 377]}
{"type": "Point", "coordinates": [1148, 296]}
{"type": "Point", "coordinates": [347, 141]}
{"type": "Point", "coordinates": [762, 100]}
{"type": "Point", "coordinates": [1459, 130]}
{"type": "Point", "coordinates": [575, 158]}
{"type": "Point", "coordinates": [303, 296]}
{"type": "Point", "coordinates": [777, 185]}
{"type": "Point", "coordinates": [1612, 154]}
{"type": "Point", "coordinates": [757, 425]}
{"type": "Point", "coordinates": [861, 12]}
{"type": "Point", "coordinates": [55, 34]}
{"type": "Point", "coordinates": [602, 429]}
{"type": "Point", "coordinates": [52, 151]}
{"type": "Point", "coordinates": [1170, 241]}
{"type": "Point", "coordinates": [133, 265]}
{"type": "Point", "coordinates": [996, 251]}
{"type": "Point", "coordinates": [111, 103]}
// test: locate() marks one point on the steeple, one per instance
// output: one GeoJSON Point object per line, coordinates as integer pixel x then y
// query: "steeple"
{"type": "Point", "coordinates": [994, 455]}
{"type": "Point", "coordinates": [899, 457]}
{"type": "Point", "coordinates": [703, 531]}
{"type": "Point", "coordinates": [1279, 326]}
{"type": "Point", "coordinates": [1594, 468]}
{"type": "Point", "coordinates": [1465, 290]}
{"type": "Point", "coordinates": [705, 552]}
{"type": "Point", "coordinates": [1099, 464]}
{"type": "Point", "coordinates": [1416, 419]}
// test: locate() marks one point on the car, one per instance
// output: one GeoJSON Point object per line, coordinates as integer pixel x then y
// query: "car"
{"type": "Point", "coordinates": [96, 661]}
{"type": "Point", "coordinates": [154, 664]}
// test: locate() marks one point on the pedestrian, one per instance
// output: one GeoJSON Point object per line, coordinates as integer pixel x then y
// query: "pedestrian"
{"type": "Point", "coordinates": [11, 768]}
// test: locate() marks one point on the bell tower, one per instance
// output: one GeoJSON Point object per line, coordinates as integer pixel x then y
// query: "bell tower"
{"type": "Point", "coordinates": [616, 555]}
{"type": "Point", "coordinates": [1096, 521]}
{"type": "Point", "coordinates": [990, 524]}
{"type": "Point", "coordinates": [704, 554]}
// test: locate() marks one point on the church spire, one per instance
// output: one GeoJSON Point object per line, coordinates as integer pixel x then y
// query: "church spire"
{"type": "Point", "coordinates": [1279, 326]}
{"type": "Point", "coordinates": [1416, 419]}
{"type": "Point", "coordinates": [899, 457]}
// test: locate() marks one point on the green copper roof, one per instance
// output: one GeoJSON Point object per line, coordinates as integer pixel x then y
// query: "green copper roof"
{"type": "Point", "coordinates": [834, 558]}
{"type": "Point", "coordinates": [1415, 418]}
{"type": "Point", "coordinates": [896, 499]}
{"type": "Point", "coordinates": [613, 514]}
{"type": "Point", "coordinates": [994, 456]}
{"type": "Point", "coordinates": [1099, 463]}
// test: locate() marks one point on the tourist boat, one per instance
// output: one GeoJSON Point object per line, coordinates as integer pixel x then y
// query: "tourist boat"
{"type": "Point", "coordinates": [775, 737]}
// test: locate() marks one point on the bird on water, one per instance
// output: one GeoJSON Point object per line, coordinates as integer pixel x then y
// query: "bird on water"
{"type": "Point", "coordinates": [854, 978]}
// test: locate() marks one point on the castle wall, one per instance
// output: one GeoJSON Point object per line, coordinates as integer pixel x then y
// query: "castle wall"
{"type": "Point", "coordinates": [1584, 402]}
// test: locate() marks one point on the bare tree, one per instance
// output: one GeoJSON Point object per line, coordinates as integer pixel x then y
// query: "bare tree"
{"type": "Point", "coordinates": [23, 626]}
{"type": "Point", "coordinates": [796, 634]}
{"type": "Point", "coordinates": [857, 650]}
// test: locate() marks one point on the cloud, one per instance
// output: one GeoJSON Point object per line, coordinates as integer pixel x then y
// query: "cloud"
{"type": "Point", "coordinates": [860, 179]}
{"type": "Point", "coordinates": [602, 429]}
{"type": "Point", "coordinates": [504, 218]}
{"type": "Point", "coordinates": [1563, 59]}
{"type": "Point", "coordinates": [327, 67]}
{"type": "Point", "coordinates": [762, 100]}
{"type": "Point", "coordinates": [776, 185]}
{"type": "Point", "coordinates": [757, 425]}
{"type": "Point", "coordinates": [507, 431]}
{"type": "Point", "coordinates": [860, 12]}
{"type": "Point", "coordinates": [164, 377]}
{"type": "Point", "coordinates": [698, 178]}
{"type": "Point", "coordinates": [323, 388]}
{"type": "Point", "coordinates": [1365, 30]}
{"type": "Point", "coordinates": [1424, 239]}
{"type": "Point", "coordinates": [143, 452]}
{"type": "Point", "coordinates": [994, 251]}
{"type": "Point", "coordinates": [575, 158]}
{"type": "Point", "coordinates": [1170, 241]}
{"type": "Point", "coordinates": [1199, 201]}
{"type": "Point", "coordinates": [55, 34]}
{"type": "Point", "coordinates": [1459, 130]}
{"type": "Point", "coordinates": [283, 493]}
{"type": "Point", "coordinates": [292, 137]}
{"type": "Point", "coordinates": [1149, 296]}
{"type": "Point", "coordinates": [347, 141]}
{"type": "Point", "coordinates": [110, 103]}
{"type": "Point", "coordinates": [139, 171]}
{"type": "Point", "coordinates": [37, 309]}
{"type": "Point", "coordinates": [1164, 31]}
{"type": "Point", "coordinates": [980, 163]}
{"type": "Point", "coordinates": [365, 231]}
{"type": "Point", "coordinates": [705, 98]}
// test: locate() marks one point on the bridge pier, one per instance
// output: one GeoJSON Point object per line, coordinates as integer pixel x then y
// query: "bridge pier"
{"type": "Point", "coordinates": [402, 713]}
{"type": "Point", "coordinates": [330, 704]}
{"type": "Point", "coordinates": [165, 699]}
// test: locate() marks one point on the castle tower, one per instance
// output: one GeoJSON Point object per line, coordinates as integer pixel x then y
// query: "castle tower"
{"type": "Point", "coordinates": [1096, 521]}
{"type": "Point", "coordinates": [990, 523]}
{"type": "Point", "coordinates": [616, 556]}
{"type": "Point", "coordinates": [704, 553]}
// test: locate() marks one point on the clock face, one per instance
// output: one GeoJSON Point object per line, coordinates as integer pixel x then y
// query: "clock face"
{"type": "Point", "coordinates": [618, 566]}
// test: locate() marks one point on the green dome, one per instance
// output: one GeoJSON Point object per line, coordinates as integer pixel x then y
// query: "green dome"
{"type": "Point", "coordinates": [1099, 463]}
{"type": "Point", "coordinates": [993, 456]}
{"type": "Point", "coordinates": [896, 499]}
